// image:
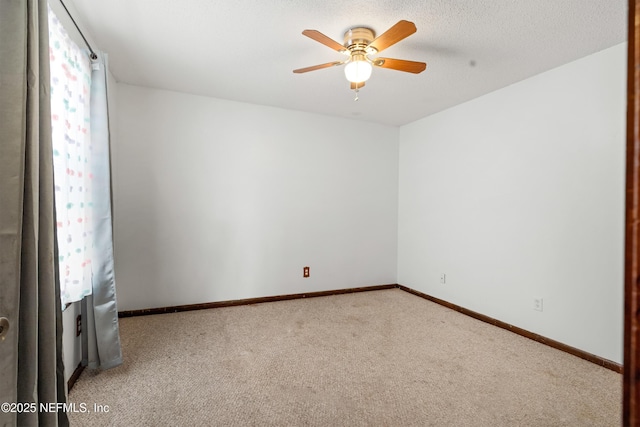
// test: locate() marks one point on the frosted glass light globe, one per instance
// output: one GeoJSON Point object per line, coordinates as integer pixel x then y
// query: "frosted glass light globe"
{"type": "Point", "coordinates": [358, 71]}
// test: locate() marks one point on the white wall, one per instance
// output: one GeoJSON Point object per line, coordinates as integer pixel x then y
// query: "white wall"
{"type": "Point", "coordinates": [71, 345]}
{"type": "Point", "coordinates": [520, 194]}
{"type": "Point", "coordinates": [218, 200]}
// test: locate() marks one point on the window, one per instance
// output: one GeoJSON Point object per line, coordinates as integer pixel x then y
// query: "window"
{"type": "Point", "coordinates": [70, 70]}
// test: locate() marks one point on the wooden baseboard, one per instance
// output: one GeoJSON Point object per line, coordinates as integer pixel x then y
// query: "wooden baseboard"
{"type": "Point", "coordinates": [231, 303]}
{"type": "Point", "coordinates": [523, 332]}
{"type": "Point", "coordinates": [74, 377]}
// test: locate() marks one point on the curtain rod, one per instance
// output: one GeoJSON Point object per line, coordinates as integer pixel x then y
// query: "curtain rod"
{"type": "Point", "coordinates": [93, 55]}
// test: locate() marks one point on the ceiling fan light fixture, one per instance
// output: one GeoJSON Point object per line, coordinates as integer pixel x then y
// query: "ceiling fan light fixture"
{"type": "Point", "coordinates": [358, 71]}
{"type": "Point", "coordinates": [359, 43]}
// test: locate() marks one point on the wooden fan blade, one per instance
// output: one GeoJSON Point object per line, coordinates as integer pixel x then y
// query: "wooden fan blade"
{"type": "Point", "coordinates": [393, 35]}
{"type": "Point", "coordinates": [355, 86]}
{"type": "Point", "coordinates": [318, 67]}
{"type": "Point", "coordinates": [321, 38]}
{"type": "Point", "coordinates": [400, 65]}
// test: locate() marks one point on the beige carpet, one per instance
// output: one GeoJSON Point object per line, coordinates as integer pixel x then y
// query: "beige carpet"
{"type": "Point", "coordinates": [380, 358]}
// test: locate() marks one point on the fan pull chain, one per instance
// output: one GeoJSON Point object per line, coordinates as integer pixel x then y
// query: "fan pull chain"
{"type": "Point", "coordinates": [356, 98]}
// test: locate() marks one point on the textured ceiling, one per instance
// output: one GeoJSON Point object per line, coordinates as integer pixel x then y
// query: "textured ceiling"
{"type": "Point", "coordinates": [245, 50]}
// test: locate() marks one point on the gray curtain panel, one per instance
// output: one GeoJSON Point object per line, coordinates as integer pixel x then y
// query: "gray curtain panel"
{"type": "Point", "coordinates": [101, 337]}
{"type": "Point", "coordinates": [31, 347]}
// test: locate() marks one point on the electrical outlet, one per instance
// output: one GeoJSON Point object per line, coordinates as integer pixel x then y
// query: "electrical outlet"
{"type": "Point", "coordinates": [537, 304]}
{"type": "Point", "coordinates": [78, 325]}
{"type": "Point", "coordinates": [305, 272]}
{"type": "Point", "coordinates": [443, 278]}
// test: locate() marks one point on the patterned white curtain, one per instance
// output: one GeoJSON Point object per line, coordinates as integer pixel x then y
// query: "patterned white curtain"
{"type": "Point", "coordinates": [71, 135]}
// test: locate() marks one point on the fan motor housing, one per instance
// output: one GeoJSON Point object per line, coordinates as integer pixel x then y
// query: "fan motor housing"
{"type": "Point", "coordinates": [358, 38]}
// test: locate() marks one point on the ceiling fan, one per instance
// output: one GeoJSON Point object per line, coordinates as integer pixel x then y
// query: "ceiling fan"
{"type": "Point", "coordinates": [359, 43]}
